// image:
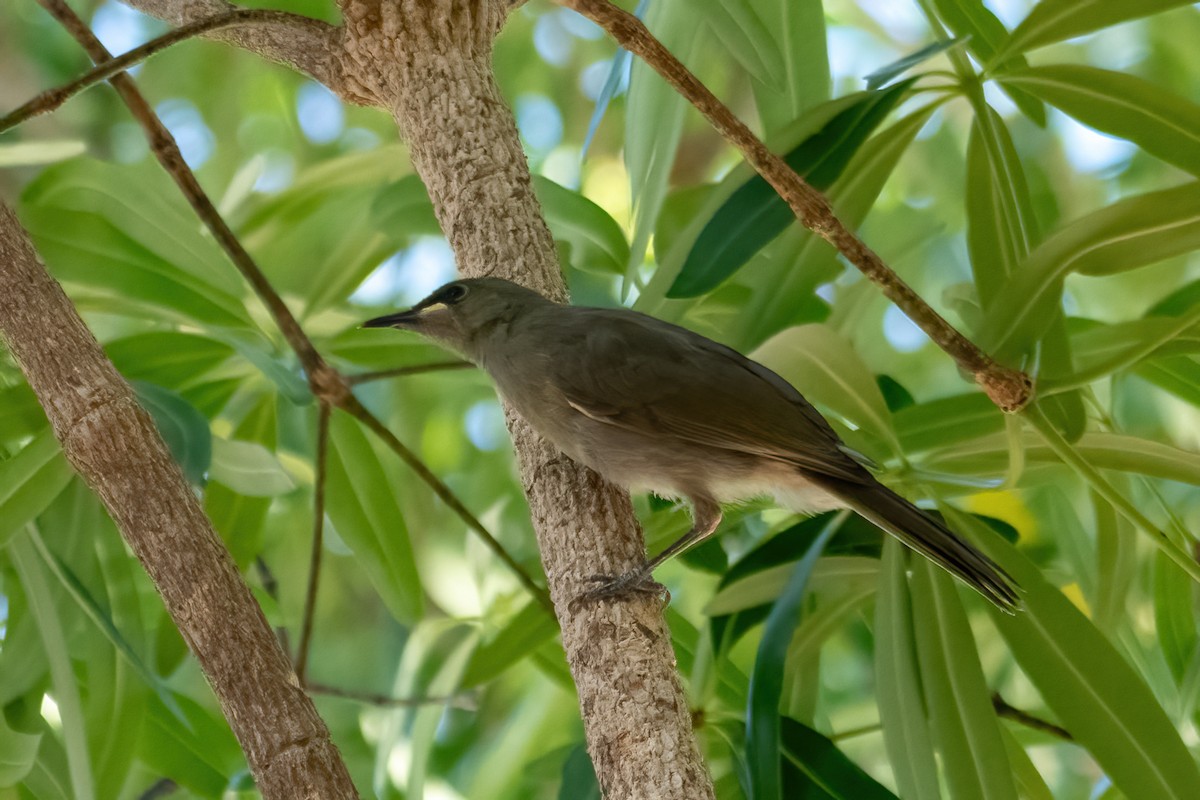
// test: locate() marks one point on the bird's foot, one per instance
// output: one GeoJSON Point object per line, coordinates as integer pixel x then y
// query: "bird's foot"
{"type": "Point", "coordinates": [632, 583]}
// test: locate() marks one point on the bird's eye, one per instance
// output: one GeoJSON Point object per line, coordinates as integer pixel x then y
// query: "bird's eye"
{"type": "Point", "coordinates": [453, 293]}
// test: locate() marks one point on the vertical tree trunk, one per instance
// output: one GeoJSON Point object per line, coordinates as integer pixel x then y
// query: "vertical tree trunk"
{"type": "Point", "coordinates": [431, 62]}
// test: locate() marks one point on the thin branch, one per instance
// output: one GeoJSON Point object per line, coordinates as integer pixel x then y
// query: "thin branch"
{"type": "Point", "coordinates": [327, 384]}
{"type": "Point", "coordinates": [385, 701]}
{"type": "Point", "coordinates": [400, 372]}
{"type": "Point", "coordinates": [51, 99]}
{"type": "Point", "coordinates": [318, 537]}
{"type": "Point", "coordinates": [1004, 710]}
{"type": "Point", "coordinates": [1009, 389]}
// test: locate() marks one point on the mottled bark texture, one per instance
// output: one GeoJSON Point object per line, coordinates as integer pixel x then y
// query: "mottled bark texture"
{"type": "Point", "coordinates": [113, 444]}
{"type": "Point", "coordinates": [431, 61]}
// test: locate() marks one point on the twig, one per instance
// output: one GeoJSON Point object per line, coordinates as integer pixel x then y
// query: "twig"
{"type": "Point", "coordinates": [375, 699]}
{"type": "Point", "coordinates": [53, 98]}
{"type": "Point", "coordinates": [327, 384]}
{"type": "Point", "coordinates": [1009, 389]}
{"type": "Point", "coordinates": [400, 372]}
{"type": "Point", "coordinates": [314, 563]}
{"type": "Point", "coordinates": [1003, 709]}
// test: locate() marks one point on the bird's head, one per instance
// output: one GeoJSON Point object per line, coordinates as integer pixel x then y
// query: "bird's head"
{"type": "Point", "coordinates": [461, 313]}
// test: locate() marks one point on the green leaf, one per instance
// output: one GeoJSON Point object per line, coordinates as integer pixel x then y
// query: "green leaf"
{"type": "Point", "coordinates": [29, 482]}
{"type": "Point", "coordinates": [1130, 233]}
{"type": "Point", "coordinates": [947, 421]}
{"type": "Point", "coordinates": [54, 642]}
{"type": "Point", "coordinates": [362, 505]}
{"type": "Point", "coordinates": [1174, 615]}
{"type": "Point", "coordinates": [579, 776]}
{"type": "Point", "coordinates": [798, 28]}
{"type": "Point", "coordinates": [1055, 20]}
{"type": "Point", "coordinates": [1160, 122]}
{"type": "Point", "coordinates": [104, 623]}
{"type": "Point", "coordinates": [755, 214]}
{"type": "Point", "coordinates": [200, 756]}
{"type": "Point", "coordinates": [38, 152]}
{"type": "Point", "coordinates": [168, 358]}
{"type": "Point", "coordinates": [960, 708]}
{"type": "Point", "coordinates": [746, 37]}
{"type": "Point", "coordinates": [884, 75]}
{"type": "Point", "coordinates": [984, 33]}
{"type": "Point", "coordinates": [823, 365]}
{"type": "Point", "coordinates": [766, 680]}
{"type": "Point", "coordinates": [795, 275]}
{"type": "Point", "coordinates": [405, 204]}
{"type": "Point", "coordinates": [654, 116]}
{"type": "Point", "coordinates": [183, 428]}
{"type": "Point", "coordinates": [1179, 375]}
{"type": "Point", "coordinates": [989, 455]}
{"type": "Point", "coordinates": [517, 640]}
{"type": "Point", "coordinates": [906, 733]}
{"type": "Point", "coordinates": [249, 468]}
{"type": "Point", "coordinates": [18, 753]}
{"type": "Point", "coordinates": [1092, 690]}
{"type": "Point", "coordinates": [597, 241]}
{"type": "Point", "coordinates": [127, 233]}
{"type": "Point", "coordinates": [825, 767]}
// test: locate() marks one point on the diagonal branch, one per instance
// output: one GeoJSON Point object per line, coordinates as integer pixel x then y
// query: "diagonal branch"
{"type": "Point", "coordinates": [401, 372]}
{"type": "Point", "coordinates": [51, 99]}
{"type": "Point", "coordinates": [1009, 389]}
{"type": "Point", "coordinates": [329, 385]}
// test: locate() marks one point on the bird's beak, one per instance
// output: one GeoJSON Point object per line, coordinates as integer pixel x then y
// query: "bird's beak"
{"type": "Point", "coordinates": [402, 319]}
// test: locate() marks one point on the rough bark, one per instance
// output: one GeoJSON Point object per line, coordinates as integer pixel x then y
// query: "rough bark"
{"type": "Point", "coordinates": [113, 444]}
{"type": "Point", "coordinates": [431, 59]}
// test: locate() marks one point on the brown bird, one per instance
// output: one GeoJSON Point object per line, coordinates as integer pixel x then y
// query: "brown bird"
{"type": "Point", "coordinates": [653, 406]}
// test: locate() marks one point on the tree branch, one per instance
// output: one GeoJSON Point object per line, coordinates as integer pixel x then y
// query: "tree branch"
{"type": "Point", "coordinates": [318, 537]}
{"type": "Point", "coordinates": [1009, 389]}
{"type": "Point", "coordinates": [305, 44]}
{"type": "Point", "coordinates": [400, 372]}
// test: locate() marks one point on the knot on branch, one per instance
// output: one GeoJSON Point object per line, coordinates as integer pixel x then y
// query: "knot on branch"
{"type": "Point", "coordinates": [1010, 389]}
{"type": "Point", "coordinates": [329, 386]}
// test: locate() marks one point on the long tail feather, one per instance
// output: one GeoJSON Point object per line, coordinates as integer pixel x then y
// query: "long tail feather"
{"type": "Point", "coordinates": [931, 538]}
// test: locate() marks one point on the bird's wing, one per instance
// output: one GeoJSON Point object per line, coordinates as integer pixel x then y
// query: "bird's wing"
{"type": "Point", "coordinates": [664, 381]}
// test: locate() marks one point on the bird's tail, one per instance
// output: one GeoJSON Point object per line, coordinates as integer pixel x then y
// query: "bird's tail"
{"type": "Point", "coordinates": [931, 538]}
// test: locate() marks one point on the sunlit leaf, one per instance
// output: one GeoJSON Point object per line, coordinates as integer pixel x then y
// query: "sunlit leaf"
{"type": "Point", "coordinates": [29, 481]}
{"type": "Point", "coordinates": [755, 214]}
{"type": "Point", "coordinates": [1055, 20]}
{"type": "Point", "coordinates": [1163, 124]}
{"type": "Point", "coordinates": [597, 241]}
{"type": "Point", "coordinates": [362, 505]}
{"type": "Point", "coordinates": [1130, 233]}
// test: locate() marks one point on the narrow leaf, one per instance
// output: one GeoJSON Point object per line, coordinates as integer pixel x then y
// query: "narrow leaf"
{"type": "Point", "coordinates": [1160, 122]}
{"type": "Point", "coordinates": [1055, 20]}
{"type": "Point", "coordinates": [1130, 233]}
{"type": "Point", "coordinates": [29, 482]}
{"type": "Point", "coordinates": [884, 75]}
{"type": "Point", "coordinates": [362, 505]}
{"type": "Point", "coordinates": [766, 680]}
{"type": "Point", "coordinates": [755, 214]}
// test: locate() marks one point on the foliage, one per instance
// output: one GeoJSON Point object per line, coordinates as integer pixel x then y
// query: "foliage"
{"type": "Point", "coordinates": [1055, 247]}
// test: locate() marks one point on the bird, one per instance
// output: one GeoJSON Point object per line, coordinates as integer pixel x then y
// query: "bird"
{"type": "Point", "coordinates": [653, 406]}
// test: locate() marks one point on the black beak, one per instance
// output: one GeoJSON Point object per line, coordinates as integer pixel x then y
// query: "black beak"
{"type": "Point", "coordinates": [401, 319]}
